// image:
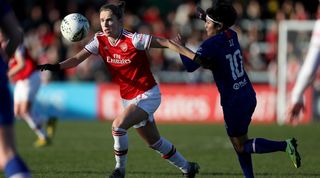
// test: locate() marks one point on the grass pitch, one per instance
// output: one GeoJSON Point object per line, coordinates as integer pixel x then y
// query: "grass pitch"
{"type": "Point", "coordinates": [83, 149]}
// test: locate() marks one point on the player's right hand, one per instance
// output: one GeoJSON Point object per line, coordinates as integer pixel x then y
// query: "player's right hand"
{"type": "Point", "coordinates": [294, 112]}
{"type": "Point", "coordinates": [51, 67]}
{"type": "Point", "coordinates": [200, 14]}
{"type": "Point", "coordinates": [178, 39]}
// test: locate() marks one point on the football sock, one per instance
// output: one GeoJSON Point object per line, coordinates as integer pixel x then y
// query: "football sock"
{"type": "Point", "coordinates": [36, 128]}
{"type": "Point", "coordinates": [120, 146]}
{"type": "Point", "coordinates": [169, 152]}
{"type": "Point", "coordinates": [261, 145]}
{"type": "Point", "coordinates": [16, 168]}
{"type": "Point", "coordinates": [246, 164]}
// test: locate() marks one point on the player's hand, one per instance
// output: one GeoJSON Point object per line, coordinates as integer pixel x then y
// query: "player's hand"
{"type": "Point", "coordinates": [51, 67]}
{"type": "Point", "coordinates": [178, 40]}
{"type": "Point", "coordinates": [200, 14]}
{"type": "Point", "coordinates": [294, 112]}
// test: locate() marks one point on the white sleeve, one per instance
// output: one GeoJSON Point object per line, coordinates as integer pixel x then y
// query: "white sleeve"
{"type": "Point", "coordinates": [308, 68]}
{"type": "Point", "coordinates": [21, 50]}
{"type": "Point", "coordinates": [141, 41]}
{"type": "Point", "coordinates": [93, 46]}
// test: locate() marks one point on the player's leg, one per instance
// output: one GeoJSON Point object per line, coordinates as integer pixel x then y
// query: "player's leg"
{"type": "Point", "coordinates": [243, 157]}
{"type": "Point", "coordinates": [135, 114]}
{"type": "Point", "coordinates": [238, 129]}
{"type": "Point", "coordinates": [262, 145]}
{"type": "Point", "coordinates": [10, 161]}
{"type": "Point", "coordinates": [131, 116]}
{"type": "Point", "coordinates": [27, 90]}
{"type": "Point", "coordinates": [166, 149]}
{"type": "Point", "coordinates": [31, 116]}
{"type": "Point", "coordinates": [237, 120]}
{"type": "Point", "coordinates": [149, 103]}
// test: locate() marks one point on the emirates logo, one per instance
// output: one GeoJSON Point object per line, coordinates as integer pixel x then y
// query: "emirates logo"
{"type": "Point", "coordinates": [124, 47]}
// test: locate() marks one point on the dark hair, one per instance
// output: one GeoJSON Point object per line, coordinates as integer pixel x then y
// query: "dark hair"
{"type": "Point", "coordinates": [224, 13]}
{"type": "Point", "coordinates": [117, 10]}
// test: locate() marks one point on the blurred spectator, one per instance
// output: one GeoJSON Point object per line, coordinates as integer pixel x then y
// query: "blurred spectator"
{"type": "Point", "coordinates": [257, 27]}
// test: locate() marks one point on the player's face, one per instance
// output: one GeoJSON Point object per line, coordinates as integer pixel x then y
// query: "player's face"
{"type": "Point", "coordinates": [110, 24]}
{"type": "Point", "coordinates": [210, 27]}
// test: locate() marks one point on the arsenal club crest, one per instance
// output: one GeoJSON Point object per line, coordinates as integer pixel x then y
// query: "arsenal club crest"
{"type": "Point", "coordinates": [124, 47]}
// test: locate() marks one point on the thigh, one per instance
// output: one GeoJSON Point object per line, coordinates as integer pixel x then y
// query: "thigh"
{"type": "Point", "coordinates": [130, 116]}
{"type": "Point", "coordinates": [238, 117]}
{"type": "Point", "coordinates": [27, 89]}
{"type": "Point", "coordinates": [148, 101]}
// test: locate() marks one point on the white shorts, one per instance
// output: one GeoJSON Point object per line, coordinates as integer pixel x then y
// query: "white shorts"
{"type": "Point", "coordinates": [149, 101]}
{"type": "Point", "coordinates": [26, 89]}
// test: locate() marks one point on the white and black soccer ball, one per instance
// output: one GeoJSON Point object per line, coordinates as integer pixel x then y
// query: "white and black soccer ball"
{"type": "Point", "coordinates": [74, 27]}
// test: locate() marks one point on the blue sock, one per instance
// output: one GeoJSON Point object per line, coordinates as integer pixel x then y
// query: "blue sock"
{"type": "Point", "coordinates": [246, 164]}
{"type": "Point", "coordinates": [261, 145]}
{"type": "Point", "coordinates": [16, 166]}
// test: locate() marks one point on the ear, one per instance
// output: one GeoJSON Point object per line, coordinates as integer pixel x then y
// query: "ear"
{"type": "Point", "coordinates": [219, 26]}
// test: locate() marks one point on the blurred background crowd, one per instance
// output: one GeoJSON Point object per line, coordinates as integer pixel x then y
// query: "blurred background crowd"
{"type": "Point", "coordinates": [257, 27]}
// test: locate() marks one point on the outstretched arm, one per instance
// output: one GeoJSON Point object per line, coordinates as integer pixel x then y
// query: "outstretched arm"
{"type": "Point", "coordinates": [305, 78]}
{"type": "Point", "coordinates": [69, 63]}
{"type": "Point", "coordinates": [75, 60]}
{"type": "Point", "coordinates": [175, 46]}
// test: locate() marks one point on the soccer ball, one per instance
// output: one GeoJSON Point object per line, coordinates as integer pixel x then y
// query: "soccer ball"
{"type": "Point", "coordinates": [74, 27]}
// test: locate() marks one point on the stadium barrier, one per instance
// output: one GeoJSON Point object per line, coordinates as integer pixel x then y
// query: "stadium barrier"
{"type": "Point", "coordinates": [181, 103]}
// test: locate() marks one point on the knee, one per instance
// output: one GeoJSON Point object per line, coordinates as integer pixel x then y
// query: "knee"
{"type": "Point", "coordinates": [24, 110]}
{"type": "Point", "coordinates": [21, 112]}
{"type": "Point", "coordinates": [17, 111]}
{"type": "Point", "coordinates": [238, 147]}
{"type": "Point", "coordinates": [117, 123]}
{"type": "Point", "coordinates": [120, 123]}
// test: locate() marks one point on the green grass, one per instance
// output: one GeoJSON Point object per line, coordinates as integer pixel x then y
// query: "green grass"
{"type": "Point", "coordinates": [85, 150]}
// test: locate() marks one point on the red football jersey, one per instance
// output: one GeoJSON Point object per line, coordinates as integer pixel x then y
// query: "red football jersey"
{"type": "Point", "coordinates": [126, 60]}
{"type": "Point", "coordinates": [30, 65]}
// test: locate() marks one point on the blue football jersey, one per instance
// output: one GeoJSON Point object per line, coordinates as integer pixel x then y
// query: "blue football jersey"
{"type": "Point", "coordinates": [4, 9]}
{"type": "Point", "coordinates": [222, 54]}
{"type": "Point", "coordinates": [6, 105]}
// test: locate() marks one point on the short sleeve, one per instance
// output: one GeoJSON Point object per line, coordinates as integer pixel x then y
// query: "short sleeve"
{"type": "Point", "coordinates": [93, 46]}
{"type": "Point", "coordinates": [21, 50]}
{"type": "Point", "coordinates": [141, 41]}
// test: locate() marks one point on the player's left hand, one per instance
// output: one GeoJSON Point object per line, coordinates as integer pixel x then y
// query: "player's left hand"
{"type": "Point", "coordinates": [51, 67]}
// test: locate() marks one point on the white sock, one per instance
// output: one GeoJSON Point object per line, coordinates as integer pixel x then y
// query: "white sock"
{"type": "Point", "coordinates": [120, 146]}
{"type": "Point", "coordinates": [169, 152]}
{"type": "Point", "coordinates": [38, 131]}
